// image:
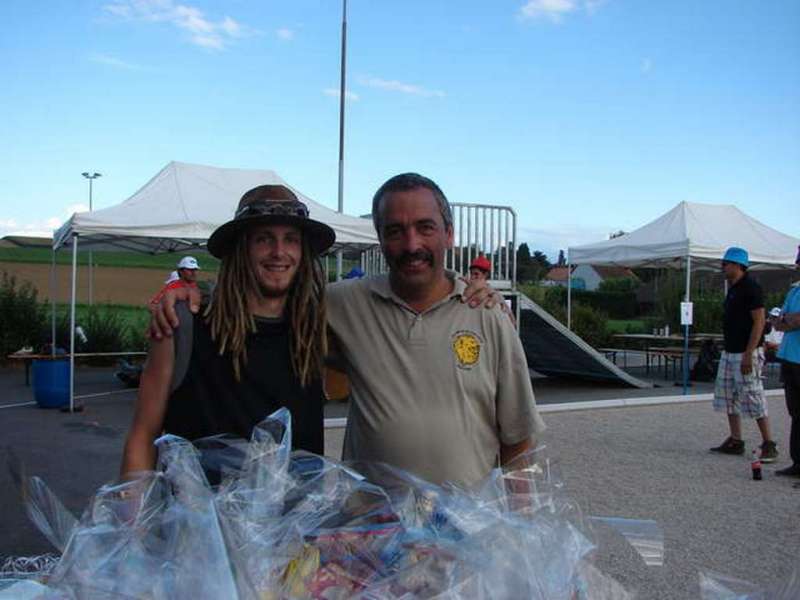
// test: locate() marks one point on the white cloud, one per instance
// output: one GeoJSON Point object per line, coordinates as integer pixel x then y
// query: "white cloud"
{"type": "Point", "coordinates": [550, 9]}
{"type": "Point", "coordinates": [231, 27]}
{"type": "Point", "coordinates": [592, 6]}
{"type": "Point", "coordinates": [556, 10]}
{"type": "Point", "coordinates": [104, 59]}
{"type": "Point", "coordinates": [39, 227]}
{"type": "Point", "coordinates": [399, 86]}
{"type": "Point", "coordinates": [646, 66]}
{"type": "Point", "coordinates": [285, 34]}
{"type": "Point", "coordinates": [214, 42]}
{"type": "Point", "coordinates": [348, 95]}
{"type": "Point", "coordinates": [203, 32]}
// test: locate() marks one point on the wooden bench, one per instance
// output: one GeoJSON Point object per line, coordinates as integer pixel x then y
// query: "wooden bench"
{"type": "Point", "coordinates": [671, 355]}
{"type": "Point", "coordinates": [611, 354]}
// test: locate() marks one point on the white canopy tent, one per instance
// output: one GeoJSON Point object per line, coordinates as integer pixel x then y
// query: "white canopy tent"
{"type": "Point", "coordinates": [177, 210]}
{"type": "Point", "coordinates": [184, 203]}
{"type": "Point", "coordinates": [690, 236]}
{"type": "Point", "coordinates": [701, 232]}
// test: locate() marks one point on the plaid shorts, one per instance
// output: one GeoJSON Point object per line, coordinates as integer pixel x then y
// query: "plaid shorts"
{"type": "Point", "coordinates": [736, 393]}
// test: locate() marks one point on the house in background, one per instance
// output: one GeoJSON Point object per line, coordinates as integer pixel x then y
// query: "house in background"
{"type": "Point", "coordinates": [585, 277]}
{"type": "Point", "coordinates": [555, 277]}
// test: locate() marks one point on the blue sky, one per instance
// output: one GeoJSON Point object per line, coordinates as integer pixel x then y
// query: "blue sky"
{"type": "Point", "coordinates": [586, 116]}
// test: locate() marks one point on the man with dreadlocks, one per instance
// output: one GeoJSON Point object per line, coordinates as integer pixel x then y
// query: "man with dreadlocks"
{"type": "Point", "coordinates": [256, 346]}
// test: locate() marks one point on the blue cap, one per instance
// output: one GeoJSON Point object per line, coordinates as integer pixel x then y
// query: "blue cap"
{"type": "Point", "coordinates": [737, 255]}
{"type": "Point", "coordinates": [354, 273]}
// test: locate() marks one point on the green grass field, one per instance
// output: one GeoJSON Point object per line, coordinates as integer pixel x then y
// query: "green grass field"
{"type": "Point", "coordinates": [626, 326]}
{"type": "Point", "coordinates": [163, 262]}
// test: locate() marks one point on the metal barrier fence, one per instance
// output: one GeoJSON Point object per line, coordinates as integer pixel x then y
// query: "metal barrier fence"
{"type": "Point", "coordinates": [477, 229]}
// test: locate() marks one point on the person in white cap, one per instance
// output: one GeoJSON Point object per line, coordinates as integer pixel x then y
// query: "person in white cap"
{"type": "Point", "coordinates": [187, 270]}
{"type": "Point", "coordinates": [773, 336]}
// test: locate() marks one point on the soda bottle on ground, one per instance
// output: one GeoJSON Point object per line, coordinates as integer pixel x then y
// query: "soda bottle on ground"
{"type": "Point", "coordinates": [755, 466]}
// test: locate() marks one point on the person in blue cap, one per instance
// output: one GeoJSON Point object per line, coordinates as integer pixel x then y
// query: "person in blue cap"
{"type": "Point", "coordinates": [739, 388]}
{"type": "Point", "coordinates": [788, 321]}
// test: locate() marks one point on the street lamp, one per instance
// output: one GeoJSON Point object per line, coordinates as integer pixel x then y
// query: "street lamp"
{"type": "Point", "coordinates": [91, 177]}
{"type": "Point", "coordinates": [342, 95]}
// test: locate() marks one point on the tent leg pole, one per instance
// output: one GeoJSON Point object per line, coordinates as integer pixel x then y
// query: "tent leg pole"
{"type": "Point", "coordinates": [53, 304]}
{"type": "Point", "coordinates": [72, 325]}
{"type": "Point", "coordinates": [686, 327]}
{"type": "Point", "coordinates": [569, 296]}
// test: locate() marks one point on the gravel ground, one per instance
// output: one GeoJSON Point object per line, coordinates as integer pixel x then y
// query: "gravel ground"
{"type": "Point", "coordinates": [649, 462]}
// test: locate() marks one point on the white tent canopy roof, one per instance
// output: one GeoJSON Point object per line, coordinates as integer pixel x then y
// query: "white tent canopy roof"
{"type": "Point", "coordinates": [184, 203]}
{"type": "Point", "coordinates": [702, 231]}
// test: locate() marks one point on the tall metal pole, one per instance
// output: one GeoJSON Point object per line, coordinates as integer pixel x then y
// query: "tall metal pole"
{"type": "Point", "coordinates": [341, 128]}
{"type": "Point", "coordinates": [686, 327]}
{"type": "Point", "coordinates": [72, 325]}
{"type": "Point", "coordinates": [91, 177]}
{"type": "Point", "coordinates": [569, 296]}
{"type": "Point", "coordinates": [91, 272]}
{"type": "Point", "coordinates": [53, 304]}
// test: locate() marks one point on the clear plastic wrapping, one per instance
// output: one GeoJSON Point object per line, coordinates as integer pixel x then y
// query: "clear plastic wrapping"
{"type": "Point", "coordinates": [714, 586]}
{"type": "Point", "coordinates": [235, 519]}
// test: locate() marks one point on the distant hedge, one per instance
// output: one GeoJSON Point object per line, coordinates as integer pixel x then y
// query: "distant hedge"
{"type": "Point", "coordinates": [616, 305]}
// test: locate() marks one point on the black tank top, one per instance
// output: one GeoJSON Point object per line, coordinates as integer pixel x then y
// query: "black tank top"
{"type": "Point", "coordinates": [209, 400]}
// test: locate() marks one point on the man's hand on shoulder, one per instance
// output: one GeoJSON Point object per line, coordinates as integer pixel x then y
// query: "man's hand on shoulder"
{"type": "Point", "coordinates": [479, 293]}
{"type": "Point", "coordinates": [163, 318]}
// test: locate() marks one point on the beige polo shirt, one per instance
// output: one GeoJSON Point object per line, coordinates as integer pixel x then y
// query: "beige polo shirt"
{"type": "Point", "coordinates": [434, 393]}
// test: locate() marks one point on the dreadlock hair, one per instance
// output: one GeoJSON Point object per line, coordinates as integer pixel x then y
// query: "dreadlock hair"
{"type": "Point", "coordinates": [230, 319]}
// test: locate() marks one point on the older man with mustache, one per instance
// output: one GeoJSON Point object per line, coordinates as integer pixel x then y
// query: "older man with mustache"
{"type": "Point", "coordinates": [439, 389]}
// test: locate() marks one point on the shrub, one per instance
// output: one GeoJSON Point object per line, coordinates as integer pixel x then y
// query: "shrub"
{"type": "Point", "coordinates": [615, 304]}
{"type": "Point", "coordinates": [22, 317]}
{"type": "Point", "coordinates": [619, 285]}
{"type": "Point", "coordinates": [590, 325]}
{"type": "Point", "coordinates": [108, 328]}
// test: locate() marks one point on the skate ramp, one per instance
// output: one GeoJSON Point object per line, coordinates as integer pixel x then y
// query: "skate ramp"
{"type": "Point", "coordinates": [552, 349]}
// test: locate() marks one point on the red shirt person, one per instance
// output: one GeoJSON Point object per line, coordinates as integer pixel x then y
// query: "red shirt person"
{"type": "Point", "coordinates": [185, 276]}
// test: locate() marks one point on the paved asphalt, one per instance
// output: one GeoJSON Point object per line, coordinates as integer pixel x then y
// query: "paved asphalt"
{"type": "Point", "coordinates": [649, 462]}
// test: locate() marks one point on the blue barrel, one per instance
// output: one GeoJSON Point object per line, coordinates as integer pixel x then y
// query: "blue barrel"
{"type": "Point", "coordinates": [51, 382]}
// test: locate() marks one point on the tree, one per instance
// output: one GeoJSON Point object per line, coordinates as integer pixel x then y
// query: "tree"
{"type": "Point", "coordinates": [540, 258]}
{"type": "Point", "coordinates": [531, 267]}
{"type": "Point", "coordinates": [525, 268]}
{"type": "Point", "coordinates": [562, 260]}
{"type": "Point", "coordinates": [523, 254]}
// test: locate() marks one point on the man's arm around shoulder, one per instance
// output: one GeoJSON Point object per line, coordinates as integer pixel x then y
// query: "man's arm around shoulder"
{"type": "Point", "coordinates": [151, 408]}
{"type": "Point", "coordinates": [518, 416]}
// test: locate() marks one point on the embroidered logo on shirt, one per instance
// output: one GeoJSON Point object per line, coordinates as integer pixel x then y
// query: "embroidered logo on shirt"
{"type": "Point", "coordinates": [467, 349]}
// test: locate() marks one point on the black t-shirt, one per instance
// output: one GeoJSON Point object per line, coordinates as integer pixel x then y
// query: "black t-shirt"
{"type": "Point", "coordinates": [209, 401]}
{"type": "Point", "coordinates": [744, 296]}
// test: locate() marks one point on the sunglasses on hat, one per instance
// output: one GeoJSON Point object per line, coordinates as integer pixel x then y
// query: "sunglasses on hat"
{"type": "Point", "coordinates": [259, 208]}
